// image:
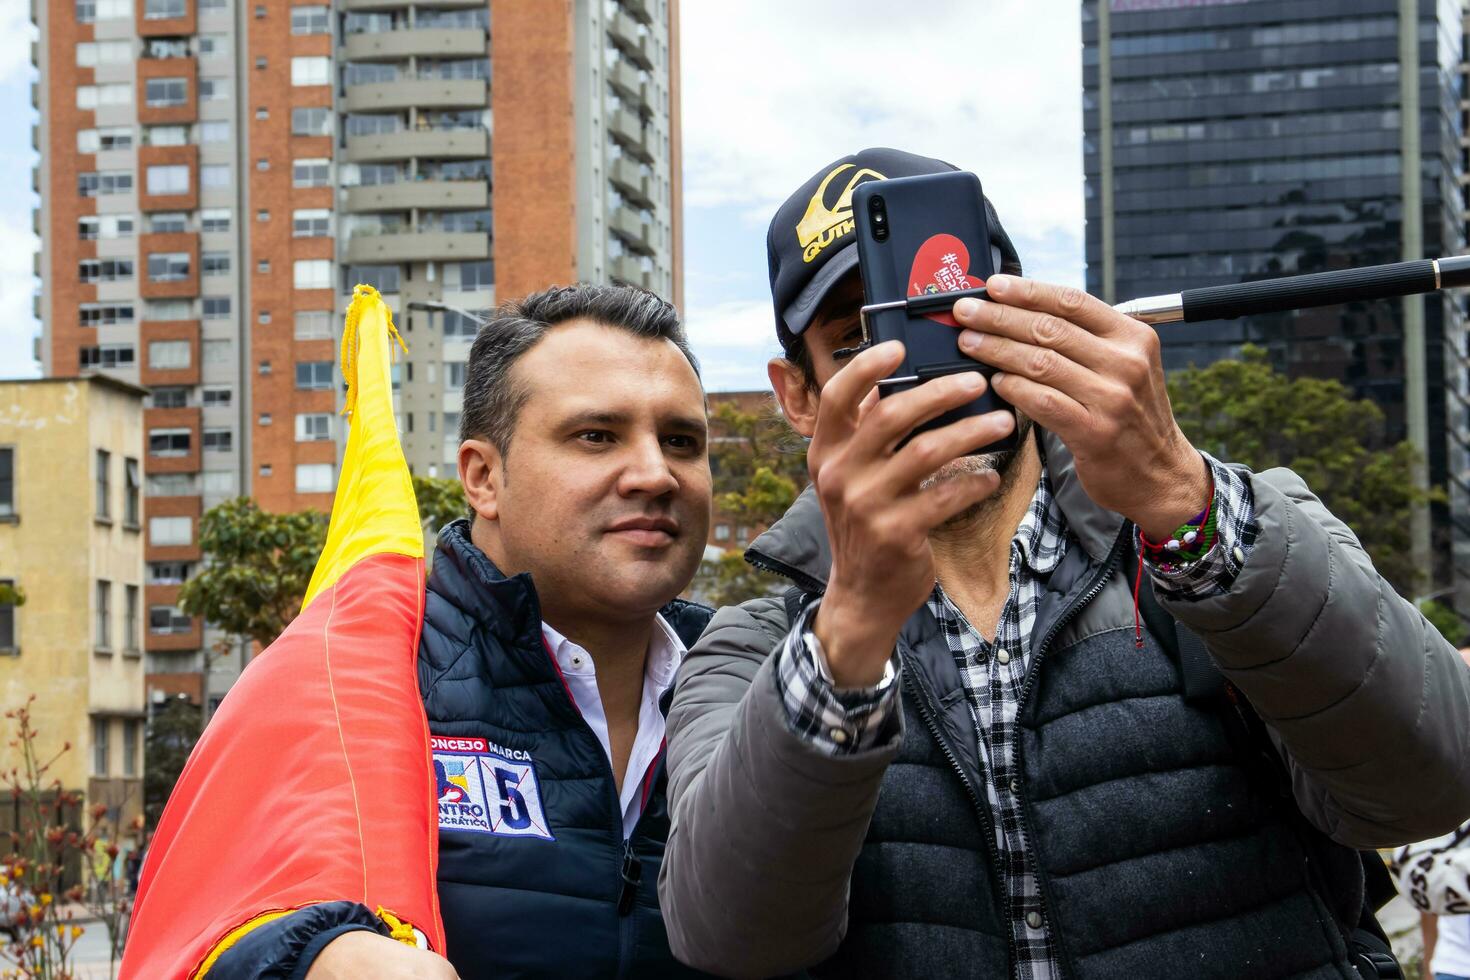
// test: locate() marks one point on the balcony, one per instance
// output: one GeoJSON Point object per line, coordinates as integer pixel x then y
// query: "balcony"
{"type": "Point", "coordinates": [432, 43]}
{"type": "Point", "coordinates": [624, 33]}
{"type": "Point", "coordinates": [631, 181]}
{"type": "Point", "coordinates": [631, 229]}
{"type": "Point", "coordinates": [639, 9]}
{"type": "Point", "coordinates": [423, 93]}
{"type": "Point", "coordinates": [442, 195]}
{"type": "Point", "coordinates": [629, 84]}
{"type": "Point", "coordinates": [627, 129]}
{"type": "Point", "coordinates": [627, 270]}
{"type": "Point", "coordinates": [442, 144]}
{"type": "Point", "coordinates": [425, 246]}
{"type": "Point", "coordinates": [403, 4]}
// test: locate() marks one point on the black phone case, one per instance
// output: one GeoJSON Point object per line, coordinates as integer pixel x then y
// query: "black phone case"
{"type": "Point", "coordinates": [920, 210]}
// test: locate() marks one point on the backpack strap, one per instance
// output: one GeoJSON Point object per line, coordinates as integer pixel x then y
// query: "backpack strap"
{"type": "Point", "coordinates": [1203, 681]}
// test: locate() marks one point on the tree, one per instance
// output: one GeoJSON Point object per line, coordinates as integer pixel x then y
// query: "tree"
{"type": "Point", "coordinates": [1444, 619]}
{"type": "Point", "coordinates": [759, 468]}
{"type": "Point", "coordinates": [1244, 411]}
{"type": "Point", "coordinates": [170, 738]}
{"type": "Point", "coordinates": [440, 501]}
{"type": "Point", "coordinates": [257, 566]}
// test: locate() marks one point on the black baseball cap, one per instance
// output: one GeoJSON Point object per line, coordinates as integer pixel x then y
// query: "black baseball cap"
{"type": "Point", "coordinates": [811, 244]}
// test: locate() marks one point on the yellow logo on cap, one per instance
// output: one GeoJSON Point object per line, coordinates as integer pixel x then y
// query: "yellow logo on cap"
{"type": "Point", "coordinates": [821, 225]}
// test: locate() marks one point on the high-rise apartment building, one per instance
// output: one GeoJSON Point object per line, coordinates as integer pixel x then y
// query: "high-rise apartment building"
{"type": "Point", "coordinates": [217, 175]}
{"type": "Point", "coordinates": [1231, 140]}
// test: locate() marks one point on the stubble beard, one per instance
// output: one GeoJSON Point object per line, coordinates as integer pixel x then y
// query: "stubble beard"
{"type": "Point", "coordinates": [1002, 463]}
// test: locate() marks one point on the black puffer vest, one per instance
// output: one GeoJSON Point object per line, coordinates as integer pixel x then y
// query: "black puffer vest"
{"type": "Point", "coordinates": [535, 879]}
{"type": "Point", "coordinates": [1163, 849]}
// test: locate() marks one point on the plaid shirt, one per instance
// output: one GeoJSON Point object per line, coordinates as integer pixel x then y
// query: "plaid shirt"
{"type": "Point", "coordinates": [845, 721]}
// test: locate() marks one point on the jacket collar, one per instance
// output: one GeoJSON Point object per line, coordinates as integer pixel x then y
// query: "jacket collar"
{"type": "Point", "coordinates": [508, 606]}
{"type": "Point", "coordinates": [796, 545]}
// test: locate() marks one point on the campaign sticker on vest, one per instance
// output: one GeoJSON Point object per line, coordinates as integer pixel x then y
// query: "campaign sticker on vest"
{"type": "Point", "coordinates": [487, 788]}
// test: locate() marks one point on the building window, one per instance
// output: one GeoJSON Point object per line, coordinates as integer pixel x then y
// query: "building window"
{"type": "Point", "coordinates": [92, 184]}
{"type": "Point", "coordinates": [164, 620]}
{"type": "Point", "coordinates": [168, 397]}
{"type": "Point", "coordinates": [314, 427]}
{"type": "Point", "coordinates": [104, 615]}
{"type": "Point", "coordinates": [214, 131]}
{"type": "Point", "coordinates": [313, 121]}
{"type": "Point", "coordinates": [100, 749]}
{"type": "Point", "coordinates": [311, 70]}
{"type": "Point", "coordinates": [476, 275]}
{"type": "Point", "coordinates": [215, 175]}
{"type": "Point", "coordinates": [168, 266]}
{"type": "Point", "coordinates": [312, 274]}
{"type": "Point", "coordinates": [216, 307]}
{"type": "Point", "coordinates": [105, 270]}
{"type": "Point", "coordinates": [219, 482]}
{"type": "Point", "coordinates": [214, 219]}
{"type": "Point", "coordinates": [171, 485]}
{"type": "Point", "coordinates": [384, 278]}
{"type": "Point", "coordinates": [170, 531]}
{"type": "Point", "coordinates": [104, 484]}
{"type": "Point", "coordinates": [167, 572]}
{"type": "Point", "coordinates": [459, 325]}
{"type": "Point", "coordinates": [215, 264]}
{"type": "Point", "coordinates": [96, 96]}
{"type": "Point", "coordinates": [314, 478]}
{"type": "Point", "coordinates": [314, 172]}
{"type": "Point", "coordinates": [264, 367]}
{"type": "Point", "coordinates": [219, 441]}
{"type": "Point", "coordinates": [90, 54]}
{"type": "Point", "coordinates": [8, 643]}
{"type": "Point", "coordinates": [168, 179]}
{"type": "Point", "coordinates": [164, 93]}
{"type": "Point", "coordinates": [218, 350]}
{"type": "Point", "coordinates": [132, 486]}
{"type": "Point", "coordinates": [210, 44]}
{"type": "Point", "coordinates": [169, 442]}
{"type": "Point", "coordinates": [168, 355]}
{"type": "Point", "coordinates": [722, 532]}
{"type": "Point", "coordinates": [262, 216]}
{"type": "Point", "coordinates": [218, 397]}
{"type": "Point", "coordinates": [104, 139]}
{"type": "Point", "coordinates": [163, 9]}
{"type": "Point", "coordinates": [263, 316]}
{"type": "Point", "coordinates": [130, 619]}
{"type": "Point", "coordinates": [105, 356]}
{"type": "Point", "coordinates": [263, 266]}
{"type": "Point", "coordinates": [168, 222]}
{"type": "Point", "coordinates": [453, 375]}
{"type": "Point", "coordinates": [264, 418]}
{"type": "Point", "coordinates": [98, 314]}
{"type": "Point", "coordinates": [313, 325]}
{"type": "Point", "coordinates": [314, 375]}
{"type": "Point", "coordinates": [168, 309]}
{"type": "Point", "coordinates": [7, 481]}
{"type": "Point", "coordinates": [165, 135]}
{"type": "Point", "coordinates": [262, 164]}
{"type": "Point", "coordinates": [91, 227]}
{"type": "Point", "coordinates": [214, 89]}
{"type": "Point", "coordinates": [310, 20]}
{"type": "Point", "coordinates": [311, 223]}
{"type": "Point", "coordinates": [130, 746]}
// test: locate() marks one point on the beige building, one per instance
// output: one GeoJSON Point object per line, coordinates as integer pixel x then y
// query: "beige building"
{"type": "Point", "coordinates": [71, 540]}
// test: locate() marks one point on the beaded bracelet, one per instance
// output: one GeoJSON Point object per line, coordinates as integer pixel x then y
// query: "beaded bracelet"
{"type": "Point", "coordinates": [1190, 542]}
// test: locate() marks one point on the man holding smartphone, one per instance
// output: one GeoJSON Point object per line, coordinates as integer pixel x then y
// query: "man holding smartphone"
{"type": "Point", "coordinates": [967, 738]}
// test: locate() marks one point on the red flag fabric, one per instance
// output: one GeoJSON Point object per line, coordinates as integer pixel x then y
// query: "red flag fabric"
{"type": "Point", "coordinates": [313, 782]}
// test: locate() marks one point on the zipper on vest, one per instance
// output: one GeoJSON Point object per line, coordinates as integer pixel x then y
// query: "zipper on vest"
{"type": "Point", "coordinates": [987, 821]}
{"type": "Point", "coordinates": [632, 874]}
{"type": "Point", "coordinates": [808, 584]}
{"type": "Point", "coordinates": [1099, 582]}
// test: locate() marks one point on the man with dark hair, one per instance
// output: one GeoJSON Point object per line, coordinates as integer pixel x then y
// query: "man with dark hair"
{"type": "Point", "coordinates": [551, 632]}
{"type": "Point", "coordinates": [1098, 707]}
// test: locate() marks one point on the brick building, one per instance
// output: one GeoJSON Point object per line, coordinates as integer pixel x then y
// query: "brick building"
{"type": "Point", "coordinates": [216, 175]}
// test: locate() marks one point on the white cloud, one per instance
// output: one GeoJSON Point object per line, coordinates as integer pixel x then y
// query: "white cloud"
{"type": "Point", "coordinates": [16, 34]}
{"type": "Point", "coordinates": [774, 90]}
{"type": "Point", "coordinates": [17, 326]}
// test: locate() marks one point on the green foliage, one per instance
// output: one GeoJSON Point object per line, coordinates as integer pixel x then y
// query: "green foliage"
{"type": "Point", "coordinates": [1244, 411]}
{"type": "Point", "coordinates": [12, 595]}
{"type": "Point", "coordinates": [1446, 620]}
{"type": "Point", "coordinates": [759, 467]}
{"type": "Point", "coordinates": [170, 738]}
{"type": "Point", "coordinates": [257, 568]}
{"type": "Point", "coordinates": [440, 501]}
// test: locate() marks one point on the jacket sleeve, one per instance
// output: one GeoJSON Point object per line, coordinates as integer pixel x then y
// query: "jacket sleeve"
{"type": "Point", "coordinates": [1369, 702]}
{"type": "Point", "coordinates": [284, 948]}
{"type": "Point", "coordinates": [766, 826]}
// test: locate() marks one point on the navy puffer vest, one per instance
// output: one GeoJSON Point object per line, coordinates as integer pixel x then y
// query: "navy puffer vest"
{"type": "Point", "coordinates": [535, 879]}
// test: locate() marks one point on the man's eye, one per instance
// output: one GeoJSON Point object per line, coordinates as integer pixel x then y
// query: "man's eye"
{"type": "Point", "coordinates": [595, 436]}
{"type": "Point", "coordinates": [682, 442]}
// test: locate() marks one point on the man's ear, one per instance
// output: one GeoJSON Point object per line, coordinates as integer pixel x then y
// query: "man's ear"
{"type": "Point", "coordinates": [482, 474]}
{"type": "Point", "coordinates": [798, 398]}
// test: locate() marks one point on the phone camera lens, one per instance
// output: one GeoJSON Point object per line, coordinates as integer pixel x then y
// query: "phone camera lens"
{"type": "Point", "coordinates": [878, 218]}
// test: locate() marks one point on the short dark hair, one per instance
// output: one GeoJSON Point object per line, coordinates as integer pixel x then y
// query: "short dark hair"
{"type": "Point", "coordinates": [844, 296]}
{"type": "Point", "coordinates": [492, 401]}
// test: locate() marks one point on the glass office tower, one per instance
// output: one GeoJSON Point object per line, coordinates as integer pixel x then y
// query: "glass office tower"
{"type": "Point", "coordinates": [1232, 140]}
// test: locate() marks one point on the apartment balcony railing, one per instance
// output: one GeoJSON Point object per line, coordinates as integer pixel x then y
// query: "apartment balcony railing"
{"type": "Point", "coordinates": [444, 144]}
{"type": "Point", "coordinates": [421, 43]}
{"type": "Point", "coordinates": [418, 92]}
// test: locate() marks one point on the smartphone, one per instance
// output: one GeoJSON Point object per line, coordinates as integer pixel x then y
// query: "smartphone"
{"type": "Point", "coordinates": [918, 235]}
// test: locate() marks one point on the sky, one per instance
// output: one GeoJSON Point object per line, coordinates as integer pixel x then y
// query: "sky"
{"type": "Point", "coordinates": [772, 91]}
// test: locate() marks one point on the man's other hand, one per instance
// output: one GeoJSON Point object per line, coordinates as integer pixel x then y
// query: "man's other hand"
{"type": "Point", "coordinates": [877, 509]}
{"type": "Point", "coordinates": [1095, 378]}
{"type": "Point", "coordinates": [354, 955]}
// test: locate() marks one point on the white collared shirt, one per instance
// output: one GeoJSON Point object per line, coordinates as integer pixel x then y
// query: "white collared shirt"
{"type": "Point", "coordinates": [665, 651]}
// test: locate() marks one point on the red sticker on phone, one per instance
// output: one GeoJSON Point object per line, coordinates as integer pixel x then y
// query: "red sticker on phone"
{"type": "Point", "coordinates": [942, 265]}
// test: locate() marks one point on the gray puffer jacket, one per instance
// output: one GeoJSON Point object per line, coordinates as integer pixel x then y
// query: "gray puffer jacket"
{"type": "Point", "coordinates": [1160, 851]}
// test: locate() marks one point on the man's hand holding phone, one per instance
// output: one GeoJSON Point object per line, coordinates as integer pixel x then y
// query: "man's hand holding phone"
{"type": "Point", "coordinates": [878, 511]}
{"type": "Point", "coordinates": [1095, 378]}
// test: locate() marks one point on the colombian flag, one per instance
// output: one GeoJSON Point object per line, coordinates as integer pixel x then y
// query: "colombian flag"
{"type": "Point", "coordinates": [313, 782]}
